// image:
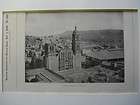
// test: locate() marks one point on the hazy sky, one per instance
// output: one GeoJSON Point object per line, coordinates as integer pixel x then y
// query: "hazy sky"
{"type": "Point", "coordinates": [39, 24]}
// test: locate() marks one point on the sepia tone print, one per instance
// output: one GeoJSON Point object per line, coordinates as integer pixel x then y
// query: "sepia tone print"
{"type": "Point", "coordinates": [74, 48]}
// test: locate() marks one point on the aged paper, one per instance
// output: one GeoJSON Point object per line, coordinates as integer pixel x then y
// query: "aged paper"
{"type": "Point", "coordinates": [70, 52]}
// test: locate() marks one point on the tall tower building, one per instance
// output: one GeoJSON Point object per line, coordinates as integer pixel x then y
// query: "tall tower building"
{"type": "Point", "coordinates": [76, 50]}
{"type": "Point", "coordinates": [75, 42]}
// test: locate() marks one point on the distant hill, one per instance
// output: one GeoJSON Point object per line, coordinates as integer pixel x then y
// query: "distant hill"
{"type": "Point", "coordinates": [96, 35]}
{"type": "Point", "coordinates": [109, 36]}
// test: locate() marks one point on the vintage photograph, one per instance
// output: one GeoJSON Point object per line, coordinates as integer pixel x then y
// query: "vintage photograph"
{"type": "Point", "coordinates": [74, 47]}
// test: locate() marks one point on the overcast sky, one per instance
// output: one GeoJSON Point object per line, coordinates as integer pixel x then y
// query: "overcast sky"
{"type": "Point", "coordinates": [40, 24]}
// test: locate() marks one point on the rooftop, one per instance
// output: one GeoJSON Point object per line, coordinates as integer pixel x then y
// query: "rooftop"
{"type": "Point", "coordinates": [106, 54]}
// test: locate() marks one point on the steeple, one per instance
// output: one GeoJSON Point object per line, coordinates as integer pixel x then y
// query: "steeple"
{"type": "Point", "coordinates": [75, 28]}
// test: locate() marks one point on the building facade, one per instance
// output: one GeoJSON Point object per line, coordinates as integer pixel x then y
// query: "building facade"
{"type": "Point", "coordinates": [65, 59]}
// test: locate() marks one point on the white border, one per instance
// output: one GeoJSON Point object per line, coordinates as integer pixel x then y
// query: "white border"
{"type": "Point", "coordinates": [42, 87]}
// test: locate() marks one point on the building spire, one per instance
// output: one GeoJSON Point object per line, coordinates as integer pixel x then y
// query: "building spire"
{"type": "Point", "coordinates": [75, 41]}
{"type": "Point", "coordinates": [75, 28]}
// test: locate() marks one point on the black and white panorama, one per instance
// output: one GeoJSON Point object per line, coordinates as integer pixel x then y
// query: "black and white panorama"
{"type": "Point", "coordinates": [74, 47]}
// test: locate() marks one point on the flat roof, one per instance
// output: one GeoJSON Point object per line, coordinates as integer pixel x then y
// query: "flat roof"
{"type": "Point", "coordinates": [106, 54]}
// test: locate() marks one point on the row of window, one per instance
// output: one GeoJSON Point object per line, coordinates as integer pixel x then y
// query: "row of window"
{"type": "Point", "coordinates": [65, 61]}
